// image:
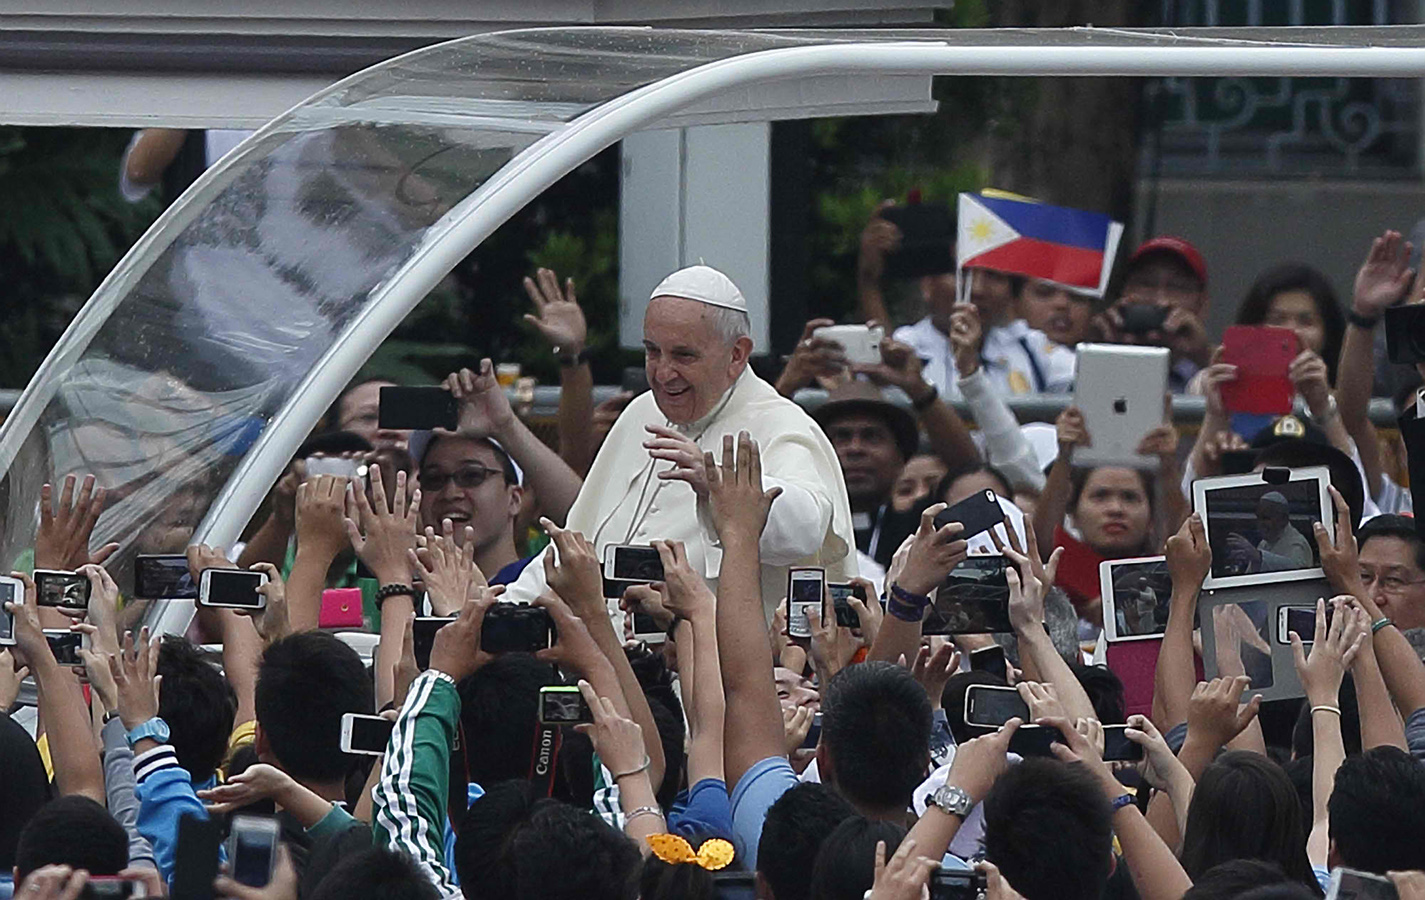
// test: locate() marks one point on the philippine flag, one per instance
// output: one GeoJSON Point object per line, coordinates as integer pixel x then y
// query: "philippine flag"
{"type": "Point", "coordinates": [1070, 247]}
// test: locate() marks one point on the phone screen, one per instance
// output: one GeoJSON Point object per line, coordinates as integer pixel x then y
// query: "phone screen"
{"type": "Point", "coordinates": [1117, 747]}
{"type": "Point", "coordinates": [369, 734]}
{"type": "Point", "coordinates": [1302, 620]}
{"type": "Point", "coordinates": [510, 628]}
{"type": "Point", "coordinates": [253, 854]}
{"type": "Point", "coordinates": [841, 594]}
{"type": "Point", "coordinates": [163, 577]}
{"type": "Point", "coordinates": [992, 706]}
{"type": "Point", "coordinates": [65, 646]}
{"type": "Point", "coordinates": [235, 587]}
{"type": "Point", "coordinates": [1034, 740]}
{"type": "Point", "coordinates": [973, 600]}
{"type": "Point", "coordinates": [426, 408]}
{"type": "Point", "coordinates": [640, 564]}
{"type": "Point", "coordinates": [9, 593]}
{"type": "Point", "coordinates": [804, 595]}
{"type": "Point", "coordinates": [423, 630]}
{"type": "Point", "coordinates": [990, 659]}
{"type": "Point", "coordinates": [67, 589]}
{"type": "Point", "coordinates": [563, 705]}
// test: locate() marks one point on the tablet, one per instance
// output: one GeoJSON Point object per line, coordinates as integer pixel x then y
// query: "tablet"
{"type": "Point", "coordinates": [1135, 596]}
{"type": "Point", "coordinates": [1260, 526]}
{"type": "Point", "coordinates": [1120, 391]}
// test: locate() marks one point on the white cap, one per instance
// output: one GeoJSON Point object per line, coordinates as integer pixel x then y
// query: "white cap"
{"type": "Point", "coordinates": [420, 441]}
{"type": "Point", "coordinates": [703, 284]}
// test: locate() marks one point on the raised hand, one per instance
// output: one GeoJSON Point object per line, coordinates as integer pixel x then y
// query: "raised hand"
{"type": "Point", "coordinates": [1071, 431]}
{"type": "Point", "coordinates": [257, 782]}
{"type": "Point", "coordinates": [62, 541]}
{"type": "Point", "coordinates": [456, 650]}
{"type": "Point", "coordinates": [1383, 277]}
{"type": "Point", "coordinates": [832, 646]}
{"type": "Point", "coordinates": [686, 593]}
{"type": "Point", "coordinates": [10, 677]}
{"type": "Point", "coordinates": [737, 503]}
{"type": "Point", "coordinates": [1308, 373]}
{"type": "Point", "coordinates": [979, 762]}
{"type": "Point", "coordinates": [30, 640]}
{"type": "Point", "coordinates": [574, 648]}
{"type": "Point", "coordinates": [320, 511]}
{"type": "Point", "coordinates": [272, 622]}
{"type": "Point", "coordinates": [283, 885]}
{"type": "Point", "coordinates": [934, 666]}
{"type": "Point", "coordinates": [617, 740]}
{"type": "Point", "coordinates": [136, 678]}
{"type": "Point", "coordinates": [1189, 554]}
{"type": "Point", "coordinates": [1215, 712]}
{"type": "Point", "coordinates": [1160, 766]}
{"type": "Point", "coordinates": [557, 316]}
{"type": "Point", "coordinates": [1340, 559]}
{"type": "Point", "coordinates": [646, 599]}
{"type": "Point", "coordinates": [900, 367]}
{"type": "Point", "coordinates": [966, 337]}
{"type": "Point", "coordinates": [1186, 336]}
{"type": "Point", "coordinates": [1042, 700]}
{"type": "Point", "coordinates": [796, 722]}
{"type": "Point", "coordinates": [103, 610]}
{"type": "Point", "coordinates": [1334, 649]}
{"type": "Point", "coordinates": [869, 612]}
{"type": "Point", "coordinates": [447, 569]}
{"type": "Point", "coordinates": [577, 577]}
{"type": "Point", "coordinates": [687, 457]}
{"type": "Point", "coordinates": [904, 876]}
{"type": "Point", "coordinates": [933, 553]}
{"type": "Point", "coordinates": [813, 358]}
{"type": "Point", "coordinates": [880, 238]}
{"type": "Point", "coordinates": [383, 537]}
{"type": "Point", "coordinates": [484, 408]}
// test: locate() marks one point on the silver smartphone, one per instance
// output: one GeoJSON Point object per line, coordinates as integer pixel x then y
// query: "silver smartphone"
{"type": "Point", "coordinates": [365, 735]}
{"type": "Point", "coordinates": [805, 586]}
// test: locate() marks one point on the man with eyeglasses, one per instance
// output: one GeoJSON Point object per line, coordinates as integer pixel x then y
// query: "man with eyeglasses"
{"type": "Point", "coordinates": [1392, 560]}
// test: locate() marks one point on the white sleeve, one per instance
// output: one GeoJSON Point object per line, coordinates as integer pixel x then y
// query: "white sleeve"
{"type": "Point", "coordinates": [796, 525]}
{"type": "Point", "coordinates": [1005, 445]}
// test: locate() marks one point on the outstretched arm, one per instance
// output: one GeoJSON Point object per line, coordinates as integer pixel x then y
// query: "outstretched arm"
{"type": "Point", "coordinates": [689, 597]}
{"type": "Point", "coordinates": [1053, 503]}
{"type": "Point", "coordinates": [1189, 560]}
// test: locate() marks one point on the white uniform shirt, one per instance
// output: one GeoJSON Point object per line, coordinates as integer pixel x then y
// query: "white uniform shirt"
{"type": "Point", "coordinates": [1018, 359]}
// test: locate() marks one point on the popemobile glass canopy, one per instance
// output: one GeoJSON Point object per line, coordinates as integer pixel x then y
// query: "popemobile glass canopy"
{"type": "Point", "coordinates": [189, 379]}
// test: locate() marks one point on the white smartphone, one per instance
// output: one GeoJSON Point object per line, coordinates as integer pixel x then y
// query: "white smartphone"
{"type": "Point", "coordinates": [365, 735]}
{"type": "Point", "coordinates": [231, 589]}
{"type": "Point", "coordinates": [805, 587]}
{"type": "Point", "coordinates": [627, 562]}
{"type": "Point", "coordinates": [1302, 620]}
{"type": "Point", "coordinates": [12, 590]}
{"type": "Point", "coordinates": [66, 644]}
{"type": "Point", "coordinates": [252, 850]}
{"type": "Point", "coordinates": [862, 343]}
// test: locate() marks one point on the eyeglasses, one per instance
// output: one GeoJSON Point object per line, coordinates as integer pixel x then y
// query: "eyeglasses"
{"type": "Point", "coordinates": [1390, 584]}
{"type": "Point", "coordinates": [465, 479]}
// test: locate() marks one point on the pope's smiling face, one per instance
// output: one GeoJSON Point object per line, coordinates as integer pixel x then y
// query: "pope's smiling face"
{"type": "Point", "coordinates": [690, 364]}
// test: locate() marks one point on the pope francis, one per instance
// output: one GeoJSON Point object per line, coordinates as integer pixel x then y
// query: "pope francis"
{"type": "Point", "coordinates": [648, 483]}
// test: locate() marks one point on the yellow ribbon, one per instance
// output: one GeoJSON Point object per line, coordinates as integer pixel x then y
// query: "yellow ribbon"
{"type": "Point", "coordinates": [714, 854]}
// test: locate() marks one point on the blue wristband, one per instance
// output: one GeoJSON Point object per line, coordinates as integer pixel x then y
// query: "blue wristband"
{"type": "Point", "coordinates": [906, 606]}
{"type": "Point", "coordinates": [1121, 801]}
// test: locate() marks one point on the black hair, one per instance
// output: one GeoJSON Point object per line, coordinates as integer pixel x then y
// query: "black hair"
{"type": "Point", "coordinates": [875, 727]}
{"type": "Point", "coordinates": [559, 852]}
{"type": "Point", "coordinates": [502, 459]}
{"type": "Point", "coordinates": [24, 786]}
{"type": "Point", "coordinates": [845, 865]}
{"type": "Point", "coordinates": [1396, 527]}
{"type": "Point", "coordinates": [1295, 276]}
{"type": "Point", "coordinates": [333, 443]}
{"type": "Point", "coordinates": [952, 700]}
{"type": "Point", "coordinates": [480, 839]}
{"type": "Point", "coordinates": [792, 834]}
{"type": "Point", "coordinates": [1377, 811]}
{"type": "Point", "coordinates": [198, 704]}
{"type": "Point", "coordinates": [499, 711]}
{"type": "Point", "coordinates": [1229, 880]}
{"type": "Point", "coordinates": [1302, 741]}
{"type": "Point", "coordinates": [1049, 829]}
{"type": "Point", "coordinates": [675, 881]}
{"type": "Point", "coordinates": [1245, 807]}
{"type": "Point", "coordinates": [949, 478]}
{"type": "Point", "coordinates": [305, 683]}
{"type": "Point", "coordinates": [1105, 691]}
{"type": "Point", "coordinates": [375, 874]}
{"type": "Point", "coordinates": [72, 831]}
{"type": "Point", "coordinates": [1294, 453]}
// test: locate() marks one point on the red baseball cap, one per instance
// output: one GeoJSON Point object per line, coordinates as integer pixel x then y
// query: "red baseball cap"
{"type": "Point", "coordinates": [1179, 247]}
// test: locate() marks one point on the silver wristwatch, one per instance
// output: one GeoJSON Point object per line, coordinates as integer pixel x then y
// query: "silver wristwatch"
{"type": "Point", "coordinates": [952, 800]}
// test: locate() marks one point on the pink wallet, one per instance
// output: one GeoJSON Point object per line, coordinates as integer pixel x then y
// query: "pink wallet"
{"type": "Point", "coordinates": [341, 608]}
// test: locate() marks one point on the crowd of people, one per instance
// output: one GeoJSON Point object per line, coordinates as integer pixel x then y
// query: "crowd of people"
{"type": "Point", "coordinates": [724, 754]}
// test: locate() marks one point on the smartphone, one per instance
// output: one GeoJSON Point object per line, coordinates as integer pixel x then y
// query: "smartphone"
{"type": "Point", "coordinates": [412, 408]}
{"type": "Point", "coordinates": [231, 589]}
{"type": "Point", "coordinates": [112, 887]}
{"type": "Point", "coordinates": [195, 864]}
{"type": "Point", "coordinates": [332, 465]}
{"type": "Point", "coordinates": [252, 849]}
{"type": "Point", "coordinates": [423, 629]}
{"type": "Point", "coordinates": [639, 565]}
{"type": "Point", "coordinates": [1350, 884]}
{"type": "Point", "coordinates": [974, 599]}
{"type": "Point", "coordinates": [841, 594]}
{"type": "Point", "coordinates": [1035, 740]}
{"type": "Point", "coordinates": [978, 512]}
{"type": "Point", "coordinates": [516, 628]}
{"type": "Point", "coordinates": [957, 884]}
{"type": "Point", "coordinates": [1405, 333]}
{"type": "Point", "coordinates": [861, 343]}
{"type": "Point", "coordinates": [990, 659]}
{"type": "Point", "coordinates": [1302, 620]}
{"type": "Point", "coordinates": [54, 587]}
{"type": "Point", "coordinates": [813, 733]}
{"type": "Point", "coordinates": [366, 735]}
{"type": "Point", "coordinates": [1142, 318]}
{"type": "Point", "coordinates": [1262, 355]}
{"type": "Point", "coordinates": [990, 706]}
{"type": "Point", "coordinates": [927, 240]}
{"type": "Point", "coordinates": [563, 704]}
{"type": "Point", "coordinates": [804, 598]}
{"type": "Point", "coordinates": [12, 590]}
{"type": "Point", "coordinates": [1117, 747]}
{"type": "Point", "coordinates": [65, 646]}
{"type": "Point", "coordinates": [163, 576]}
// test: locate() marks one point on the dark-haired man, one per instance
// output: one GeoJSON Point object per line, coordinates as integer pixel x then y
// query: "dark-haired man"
{"type": "Point", "coordinates": [1377, 811]}
{"type": "Point", "coordinates": [72, 831]}
{"type": "Point", "coordinates": [1392, 561]}
{"type": "Point", "coordinates": [1166, 276]}
{"type": "Point", "coordinates": [875, 738]}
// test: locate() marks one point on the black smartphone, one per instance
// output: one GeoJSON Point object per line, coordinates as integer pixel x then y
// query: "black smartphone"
{"type": "Point", "coordinates": [1035, 740]}
{"type": "Point", "coordinates": [1405, 333]}
{"type": "Point", "coordinates": [195, 864]}
{"type": "Point", "coordinates": [163, 576]}
{"type": "Point", "coordinates": [841, 594]}
{"type": "Point", "coordinates": [413, 408]}
{"type": "Point", "coordinates": [990, 659]}
{"type": "Point", "coordinates": [1117, 747]}
{"type": "Point", "coordinates": [630, 563]}
{"type": "Point", "coordinates": [813, 733]}
{"type": "Point", "coordinates": [739, 885]}
{"type": "Point", "coordinates": [1141, 318]}
{"type": "Point", "coordinates": [515, 628]}
{"type": "Point", "coordinates": [65, 646]}
{"type": "Point", "coordinates": [927, 238]}
{"type": "Point", "coordinates": [957, 884]}
{"type": "Point", "coordinates": [252, 849]}
{"type": "Point", "coordinates": [423, 629]}
{"type": "Point", "coordinates": [978, 513]}
{"type": "Point", "coordinates": [563, 704]}
{"type": "Point", "coordinates": [59, 588]}
{"type": "Point", "coordinates": [990, 706]}
{"type": "Point", "coordinates": [974, 599]}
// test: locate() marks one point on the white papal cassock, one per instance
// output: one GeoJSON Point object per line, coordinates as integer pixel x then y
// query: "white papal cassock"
{"type": "Point", "coordinates": [624, 502]}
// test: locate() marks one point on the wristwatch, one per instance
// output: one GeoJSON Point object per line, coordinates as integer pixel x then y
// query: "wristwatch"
{"type": "Point", "coordinates": [952, 800]}
{"type": "Point", "coordinates": [154, 728]}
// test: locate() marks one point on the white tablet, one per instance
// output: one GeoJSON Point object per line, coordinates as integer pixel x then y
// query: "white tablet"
{"type": "Point", "coordinates": [1120, 391]}
{"type": "Point", "coordinates": [1135, 596]}
{"type": "Point", "coordinates": [1260, 525]}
